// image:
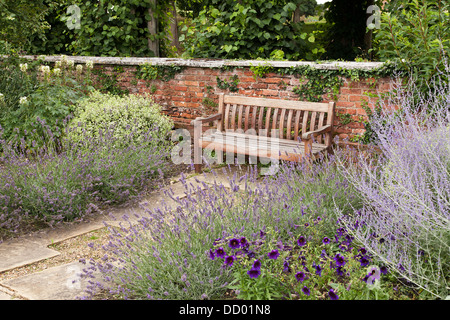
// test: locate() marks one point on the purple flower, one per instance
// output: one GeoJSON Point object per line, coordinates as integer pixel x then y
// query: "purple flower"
{"type": "Point", "coordinates": [305, 290]}
{"type": "Point", "coordinates": [286, 266]}
{"type": "Point", "coordinates": [340, 260]}
{"type": "Point", "coordinates": [364, 261]}
{"type": "Point", "coordinates": [234, 243]}
{"type": "Point", "coordinates": [333, 295]}
{"type": "Point", "coordinates": [300, 276]}
{"type": "Point", "coordinates": [274, 254]}
{"type": "Point", "coordinates": [220, 253]}
{"type": "Point", "coordinates": [301, 241]}
{"type": "Point", "coordinates": [251, 254]}
{"type": "Point", "coordinates": [318, 269]}
{"type": "Point", "coordinates": [363, 251]}
{"type": "Point", "coordinates": [229, 260]}
{"type": "Point", "coordinates": [384, 270]}
{"type": "Point", "coordinates": [256, 264]}
{"type": "Point", "coordinates": [254, 273]}
{"type": "Point", "coordinates": [243, 241]}
{"type": "Point", "coordinates": [326, 240]}
{"type": "Point", "coordinates": [211, 254]}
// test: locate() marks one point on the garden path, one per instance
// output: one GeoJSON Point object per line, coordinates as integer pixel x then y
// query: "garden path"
{"type": "Point", "coordinates": [61, 282]}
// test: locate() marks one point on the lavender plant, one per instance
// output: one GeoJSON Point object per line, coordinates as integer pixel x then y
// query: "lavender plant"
{"type": "Point", "coordinates": [65, 181]}
{"type": "Point", "coordinates": [166, 255]}
{"type": "Point", "coordinates": [406, 191]}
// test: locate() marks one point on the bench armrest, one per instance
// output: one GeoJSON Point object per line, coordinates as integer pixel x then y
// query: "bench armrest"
{"type": "Point", "coordinates": [210, 118]}
{"type": "Point", "coordinates": [307, 135]}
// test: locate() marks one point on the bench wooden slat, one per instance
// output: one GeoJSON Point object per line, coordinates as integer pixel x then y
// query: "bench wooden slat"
{"type": "Point", "coordinates": [281, 126]}
{"type": "Point", "coordinates": [289, 124]}
{"type": "Point", "coordinates": [227, 117]}
{"type": "Point", "coordinates": [297, 123]}
{"type": "Point", "coordinates": [277, 103]}
{"type": "Point", "coordinates": [268, 117]}
{"type": "Point", "coordinates": [247, 117]}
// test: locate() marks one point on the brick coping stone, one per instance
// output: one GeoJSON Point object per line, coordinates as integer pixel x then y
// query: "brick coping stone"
{"type": "Point", "coordinates": [214, 63]}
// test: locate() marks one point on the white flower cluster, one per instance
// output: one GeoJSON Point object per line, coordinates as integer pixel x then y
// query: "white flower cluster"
{"type": "Point", "coordinates": [23, 100]}
{"type": "Point", "coordinates": [89, 64]}
{"type": "Point", "coordinates": [44, 69]}
{"type": "Point", "coordinates": [23, 67]}
{"type": "Point", "coordinates": [79, 69]}
{"type": "Point", "coordinates": [2, 97]}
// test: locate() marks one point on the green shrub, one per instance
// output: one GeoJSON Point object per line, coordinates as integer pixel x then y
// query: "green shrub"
{"type": "Point", "coordinates": [128, 114]}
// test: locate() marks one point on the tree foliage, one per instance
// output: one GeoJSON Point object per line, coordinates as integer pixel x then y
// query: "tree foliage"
{"type": "Point", "coordinates": [19, 19]}
{"type": "Point", "coordinates": [246, 29]}
{"type": "Point", "coordinates": [416, 34]}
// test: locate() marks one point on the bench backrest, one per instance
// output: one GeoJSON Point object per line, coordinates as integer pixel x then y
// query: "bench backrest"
{"type": "Point", "coordinates": [289, 118]}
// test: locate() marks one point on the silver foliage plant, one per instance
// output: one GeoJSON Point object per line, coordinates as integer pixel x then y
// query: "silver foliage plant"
{"type": "Point", "coordinates": [406, 189]}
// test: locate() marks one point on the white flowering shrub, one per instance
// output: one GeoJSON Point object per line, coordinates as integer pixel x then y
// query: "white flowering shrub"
{"type": "Point", "coordinates": [128, 118]}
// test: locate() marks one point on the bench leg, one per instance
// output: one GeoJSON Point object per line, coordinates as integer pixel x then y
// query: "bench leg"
{"type": "Point", "coordinates": [198, 168]}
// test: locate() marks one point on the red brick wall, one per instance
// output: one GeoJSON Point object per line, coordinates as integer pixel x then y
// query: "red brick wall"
{"type": "Point", "coordinates": [182, 97]}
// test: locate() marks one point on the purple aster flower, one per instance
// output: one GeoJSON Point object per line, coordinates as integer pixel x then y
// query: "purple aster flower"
{"type": "Point", "coordinates": [326, 240]}
{"type": "Point", "coordinates": [254, 273]}
{"type": "Point", "coordinates": [220, 253]}
{"type": "Point", "coordinates": [274, 254]}
{"type": "Point", "coordinates": [229, 260]}
{"type": "Point", "coordinates": [256, 264]}
{"type": "Point", "coordinates": [333, 295]}
{"type": "Point", "coordinates": [306, 291]}
{"type": "Point", "coordinates": [307, 224]}
{"type": "Point", "coordinates": [251, 254]}
{"type": "Point", "coordinates": [363, 251]}
{"type": "Point", "coordinates": [300, 276]}
{"type": "Point", "coordinates": [234, 243]}
{"type": "Point", "coordinates": [301, 241]}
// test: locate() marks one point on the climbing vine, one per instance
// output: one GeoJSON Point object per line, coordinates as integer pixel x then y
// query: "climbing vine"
{"type": "Point", "coordinates": [147, 71]}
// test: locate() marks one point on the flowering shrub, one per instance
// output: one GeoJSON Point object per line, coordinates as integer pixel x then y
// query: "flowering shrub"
{"type": "Point", "coordinates": [129, 114]}
{"type": "Point", "coordinates": [166, 255]}
{"type": "Point", "coordinates": [33, 91]}
{"type": "Point", "coordinates": [406, 191]}
{"type": "Point", "coordinates": [63, 185]}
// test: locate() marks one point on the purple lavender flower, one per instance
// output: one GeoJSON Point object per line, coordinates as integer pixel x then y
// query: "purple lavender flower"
{"type": "Point", "coordinates": [211, 254]}
{"type": "Point", "coordinates": [274, 254]}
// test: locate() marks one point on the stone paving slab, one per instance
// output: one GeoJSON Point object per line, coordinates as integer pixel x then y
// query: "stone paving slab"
{"type": "Point", "coordinates": [57, 283]}
{"type": "Point", "coordinates": [6, 294]}
{"type": "Point", "coordinates": [16, 254]}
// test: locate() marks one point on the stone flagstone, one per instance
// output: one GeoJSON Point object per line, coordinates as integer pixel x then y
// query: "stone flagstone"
{"type": "Point", "coordinates": [57, 283]}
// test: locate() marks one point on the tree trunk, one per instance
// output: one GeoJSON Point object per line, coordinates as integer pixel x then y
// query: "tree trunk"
{"type": "Point", "coordinates": [152, 26]}
{"type": "Point", "coordinates": [174, 26]}
{"type": "Point", "coordinates": [297, 16]}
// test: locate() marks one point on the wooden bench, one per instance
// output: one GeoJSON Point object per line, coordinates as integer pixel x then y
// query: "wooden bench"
{"type": "Point", "coordinates": [265, 128]}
